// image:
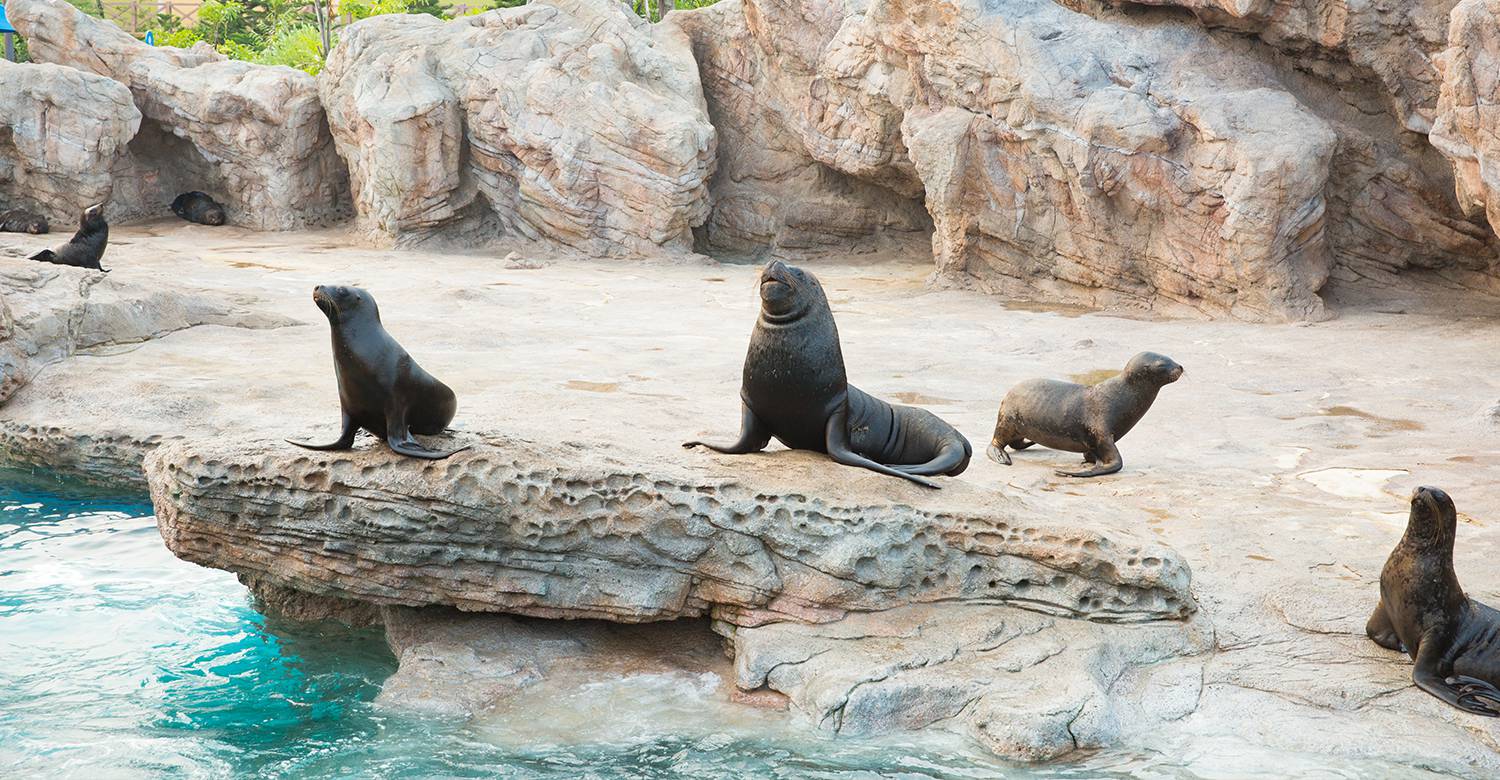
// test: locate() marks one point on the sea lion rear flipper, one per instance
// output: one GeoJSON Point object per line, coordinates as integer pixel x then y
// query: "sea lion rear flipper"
{"type": "Point", "coordinates": [754, 436]}
{"type": "Point", "coordinates": [1107, 461]}
{"type": "Point", "coordinates": [836, 440]}
{"type": "Point", "coordinates": [346, 438]}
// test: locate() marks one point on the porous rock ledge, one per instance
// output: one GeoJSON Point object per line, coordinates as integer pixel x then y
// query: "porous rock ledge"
{"type": "Point", "coordinates": [570, 530]}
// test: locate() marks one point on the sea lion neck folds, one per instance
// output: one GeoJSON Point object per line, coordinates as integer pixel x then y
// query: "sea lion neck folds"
{"type": "Point", "coordinates": [794, 389]}
{"type": "Point", "coordinates": [381, 389]}
{"type": "Point", "coordinates": [1453, 640]}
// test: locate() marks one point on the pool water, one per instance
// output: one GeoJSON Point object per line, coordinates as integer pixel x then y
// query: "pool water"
{"type": "Point", "coordinates": [118, 660]}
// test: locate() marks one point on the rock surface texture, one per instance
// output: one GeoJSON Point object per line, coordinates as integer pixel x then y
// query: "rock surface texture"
{"type": "Point", "coordinates": [568, 120]}
{"type": "Point", "coordinates": [1092, 155]}
{"type": "Point", "coordinates": [252, 136]}
{"type": "Point", "coordinates": [1468, 122]}
{"type": "Point", "coordinates": [560, 532]}
{"type": "Point", "coordinates": [63, 135]}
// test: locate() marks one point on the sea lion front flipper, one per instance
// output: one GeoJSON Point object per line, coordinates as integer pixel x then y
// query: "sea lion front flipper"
{"type": "Point", "coordinates": [1379, 629]}
{"type": "Point", "coordinates": [345, 442]}
{"type": "Point", "coordinates": [398, 437]}
{"type": "Point", "coordinates": [1476, 695]}
{"type": "Point", "coordinates": [1425, 675]}
{"type": "Point", "coordinates": [1107, 461]}
{"type": "Point", "coordinates": [45, 256]}
{"type": "Point", "coordinates": [754, 436]}
{"type": "Point", "coordinates": [836, 440]}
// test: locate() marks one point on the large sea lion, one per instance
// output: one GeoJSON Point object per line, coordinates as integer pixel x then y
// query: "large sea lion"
{"type": "Point", "coordinates": [23, 221]}
{"type": "Point", "coordinates": [381, 389]}
{"type": "Point", "coordinates": [198, 207]}
{"type": "Point", "coordinates": [1081, 418]}
{"type": "Point", "coordinates": [1454, 640]}
{"type": "Point", "coordinates": [86, 247]}
{"type": "Point", "coordinates": [794, 388]}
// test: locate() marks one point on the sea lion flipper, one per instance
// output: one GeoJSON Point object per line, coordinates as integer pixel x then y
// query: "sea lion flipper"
{"type": "Point", "coordinates": [1380, 629]}
{"type": "Point", "coordinates": [837, 443]}
{"type": "Point", "coordinates": [1424, 674]}
{"type": "Point", "coordinates": [754, 436]}
{"type": "Point", "coordinates": [948, 458]}
{"type": "Point", "coordinates": [412, 449]}
{"type": "Point", "coordinates": [345, 441]}
{"type": "Point", "coordinates": [998, 454]}
{"type": "Point", "coordinates": [1106, 457]}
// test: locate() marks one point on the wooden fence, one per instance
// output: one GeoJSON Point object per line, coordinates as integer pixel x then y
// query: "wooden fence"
{"type": "Point", "coordinates": [138, 16]}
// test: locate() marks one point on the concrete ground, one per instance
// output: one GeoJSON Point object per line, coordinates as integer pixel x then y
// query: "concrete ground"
{"type": "Point", "coordinates": [1279, 466]}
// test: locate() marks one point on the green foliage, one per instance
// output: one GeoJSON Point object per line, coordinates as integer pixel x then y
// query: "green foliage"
{"type": "Point", "coordinates": [299, 47]}
{"type": "Point", "coordinates": [364, 9]}
{"type": "Point", "coordinates": [93, 8]}
{"type": "Point", "coordinates": [653, 12]}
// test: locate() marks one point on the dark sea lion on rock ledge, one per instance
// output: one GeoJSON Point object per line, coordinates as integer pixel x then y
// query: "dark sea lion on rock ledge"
{"type": "Point", "coordinates": [794, 388]}
{"type": "Point", "coordinates": [198, 207]}
{"type": "Point", "coordinates": [86, 247]}
{"type": "Point", "coordinates": [23, 221]}
{"type": "Point", "coordinates": [381, 389]}
{"type": "Point", "coordinates": [1081, 418]}
{"type": "Point", "coordinates": [1454, 640]}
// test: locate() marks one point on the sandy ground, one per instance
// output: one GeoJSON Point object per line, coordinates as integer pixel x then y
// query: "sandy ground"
{"type": "Point", "coordinates": [1279, 466]}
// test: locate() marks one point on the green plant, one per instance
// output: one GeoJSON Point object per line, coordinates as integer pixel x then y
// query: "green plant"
{"type": "Point", "coordinates": [300, 47]}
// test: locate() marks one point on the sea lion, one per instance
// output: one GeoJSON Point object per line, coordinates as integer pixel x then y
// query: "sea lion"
{"type": "Point", "coordinates": [1453, 639]}
{"type": "Point", "coordinates": [1081, 418]}
{"type": "Point", "coordinates": [381, 389]}
{"type": "Point", "coordinates": [794, 388]}
{"type": "Point", "coordinates": [86, 247]}
{"type": "Point", "coordinates": [198, 207]}
{"type": "Point", "coordinates": [22, 221]}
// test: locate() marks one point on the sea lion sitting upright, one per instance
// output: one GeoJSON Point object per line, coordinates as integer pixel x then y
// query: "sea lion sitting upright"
{"type": "Point", "coordinates": [198, 207]}
{"type": "Point", "coordinates": [794, 388]}
{"type": "Point", "coordinates": [1081, 418]}
{"type": "Point", "coordinates": [23, 221]}
{"type": "Point", "coordinates": [1454, 640]}
{"type": "Point", "coordinates": [86, 247]}
{"type": "Point", "coordinates": [381, 389]}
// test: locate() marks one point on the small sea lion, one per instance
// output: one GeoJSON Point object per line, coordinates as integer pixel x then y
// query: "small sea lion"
{"type": "Point", "coordinates": [23, 221]}
{"type": "Point", "coordinates": [381, 389]}
{"type": "Point", "coordinates": [1453, 639]}
{"type": "Point", "coordinates": [198, 207]}
{"type": "Point", "coordinates": [794, 388]}
{"type": "Point", "coordinates": [1081, 418]}
{"type": "Point", "coordinates": [86, 247]}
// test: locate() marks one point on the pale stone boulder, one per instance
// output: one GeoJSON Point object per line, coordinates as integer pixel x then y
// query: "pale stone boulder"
{"type": "Point", "coordinates": [63, 135]}
{"type": "Point", "coordinates": [562, 531]}
{"type": "Point", "coordinates": [567, 120]}
{"type": "Point", "coordinates": [252, 136]}
{"type": "Point", "coordinates": [1467, 131]}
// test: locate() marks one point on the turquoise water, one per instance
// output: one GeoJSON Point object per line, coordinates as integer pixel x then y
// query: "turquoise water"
{"type": "Point", "coordinates": [118, 660]}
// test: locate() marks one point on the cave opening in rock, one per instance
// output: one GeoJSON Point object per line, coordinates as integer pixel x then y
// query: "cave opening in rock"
{"type": "Point", "coordinates": [164, 166]}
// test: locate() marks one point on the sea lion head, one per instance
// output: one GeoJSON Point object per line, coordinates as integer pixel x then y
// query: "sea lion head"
{"type": "Point", "coordinates": [92, 217]}
{"type": "Point", "coordinates": [788, 293]}
{"type": "Point", "coordinates": [213, 215]}
{"type": "Point", "coordinates": [1433, 521]}
{"type": "Point", "coordinates": [1154, 368]}
{"type": "Point", "coordinates": [342, 305]}
{"type": "Point", "coordinates": [36, 225]}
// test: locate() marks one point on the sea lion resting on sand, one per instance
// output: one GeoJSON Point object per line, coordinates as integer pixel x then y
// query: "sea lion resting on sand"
{"type": "Point", "coordinates": [1454, 640]}
{"type": "Point", "coordinates": [23, 221]}
{"type": "Point", "coordinates": [794, 388]}
{"type": "Point", "coordinates": [86, 247]}
{"type": "Point", "coordinates": [1081, 418]}
{"type": "Point", "coordinates": [381, 389]}
{"type": "Point", "coordinates": [198, 207]}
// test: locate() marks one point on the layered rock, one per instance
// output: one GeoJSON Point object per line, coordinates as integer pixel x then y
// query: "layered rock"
{"type": "Point", "coordinates": [63, 135]}
{"type": "Point", "coordinates": [1467, 130]}
{"type": "Point", "coordinates": [566, 531]}
{"type": "Point", "coordinates": [49, 313]}
{"type": "Point", "coordinates": [252, 136]}
{"type": "Point", "coordinates": [568, 120]}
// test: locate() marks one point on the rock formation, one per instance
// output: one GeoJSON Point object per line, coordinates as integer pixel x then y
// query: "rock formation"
{"type": "Point", "coordinates": [561, 532]}
{"type": "Point", "coordinates": [63, 135]}
{"type": "Point", "coordinates": [568, 120]}
{"type": "Point", "coordinates": [1467, 130]}
{"type": "Point", "coordinates": [253, 136]}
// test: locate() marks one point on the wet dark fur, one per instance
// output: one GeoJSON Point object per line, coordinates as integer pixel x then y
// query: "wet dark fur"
{"type": "Point", "coordinates": [794, 388]}
{"type": "Point", "coordinates": [1080, 418]}
{"type": "Point", "coordinates": [1453, 639]}
{"type": "Point", "coordinates": [86, 247]}
{"type": "Point", "coordinates": [22, 221]}
{"type": "Point", "coordinates": [381, 389]}
{"type": "Point", "coordinates": [198, 207]}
